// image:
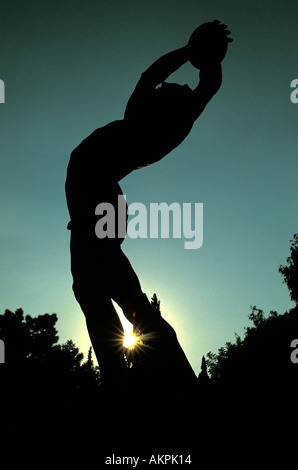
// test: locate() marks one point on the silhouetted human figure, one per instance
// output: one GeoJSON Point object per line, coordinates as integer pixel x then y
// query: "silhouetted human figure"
{"type": "Point", "coordinates": [156, 121]}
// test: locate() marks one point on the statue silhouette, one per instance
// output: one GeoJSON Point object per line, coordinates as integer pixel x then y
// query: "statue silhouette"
{"type": "Point", "coordinates": [156, 120]}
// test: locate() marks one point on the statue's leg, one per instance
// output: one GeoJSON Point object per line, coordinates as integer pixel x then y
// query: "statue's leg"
{"type": "Point", "coordinates": [91, 289]}
{"type": "Point", "coordinates": [161, 350]}
{"type": "Point", "coordinates": [106, 335]}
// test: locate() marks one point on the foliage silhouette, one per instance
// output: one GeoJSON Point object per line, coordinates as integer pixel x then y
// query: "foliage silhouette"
{"type": "Point", "coordinates": [32, 342]}
{"type": "Point", "coordinates": [290, 271]}
{"type": "Point", "coordinates": [155, 303]}
{"type": "Point", "coordinates": [204, 379]}
{"type": "Point", "coordinates": [42, 382]}
{"type": "Point", "coordinates": [256, 373]}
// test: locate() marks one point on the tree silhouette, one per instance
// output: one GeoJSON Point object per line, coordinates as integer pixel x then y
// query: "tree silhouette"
{"type": "Point", "coordinates": [41, 381]}
{"type": "Point", "coordinates": [256, 374]}
{"type": "Point", "coordinates": [155, 303]}
{"type": "Point", "coordinates": [204, 379]}
{"type": "Point", "coordinates": [290, 271]}
{"type": "Point", "coordinates": [267, 340]}
{"type": "Point", "coordinates": [32, 342]}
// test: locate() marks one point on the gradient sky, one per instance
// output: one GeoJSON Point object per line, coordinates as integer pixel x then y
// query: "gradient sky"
{"type": "Point", "coordinates": [70, 67]}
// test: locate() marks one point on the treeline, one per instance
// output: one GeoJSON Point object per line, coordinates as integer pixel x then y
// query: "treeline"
{"type": "Point", "coordinates": [43, 384]}
{"type": "Point", "coordinates": [251, 384]}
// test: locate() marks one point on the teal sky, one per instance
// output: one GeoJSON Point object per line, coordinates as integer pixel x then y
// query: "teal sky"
{"type": "Point", "coordinates": [70, 67]}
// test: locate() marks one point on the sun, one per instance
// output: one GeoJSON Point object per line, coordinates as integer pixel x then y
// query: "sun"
{"type": "Point", "coordinates": [130, 340]}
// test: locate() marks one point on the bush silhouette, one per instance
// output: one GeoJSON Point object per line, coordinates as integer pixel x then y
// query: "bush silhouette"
{"type": "Point", "coordinates": [255, 374]}
{"type": "Point", "coordinates": [43, 383]}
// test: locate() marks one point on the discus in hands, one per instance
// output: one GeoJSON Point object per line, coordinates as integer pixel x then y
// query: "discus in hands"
{"type": "Point", "coordinates": [208, 44]}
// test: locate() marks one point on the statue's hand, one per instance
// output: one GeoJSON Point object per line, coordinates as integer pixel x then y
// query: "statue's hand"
{"type": "Point", "coordinates": [208, 44]}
